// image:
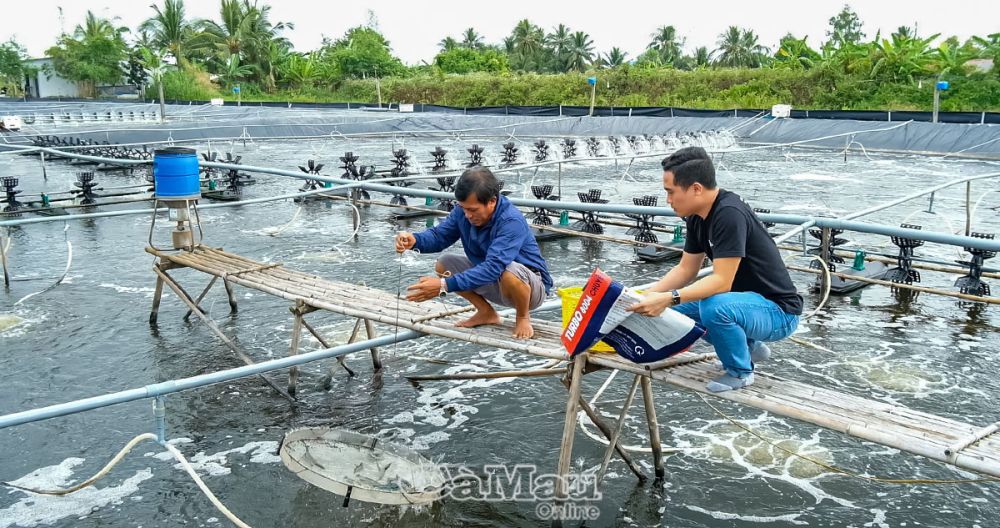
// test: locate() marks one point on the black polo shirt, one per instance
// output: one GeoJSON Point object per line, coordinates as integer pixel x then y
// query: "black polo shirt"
{"type": "Point", "coordinates": [733, 230]}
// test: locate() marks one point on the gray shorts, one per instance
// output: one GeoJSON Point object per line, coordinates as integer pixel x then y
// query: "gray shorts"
{"type": "Point", "coordinates": [491, 292]}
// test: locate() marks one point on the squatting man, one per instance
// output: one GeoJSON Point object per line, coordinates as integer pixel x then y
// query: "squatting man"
{"type": "Point", "coordinates": [501, 265]}
{"type": "Point", "coordinates": [749, 298]}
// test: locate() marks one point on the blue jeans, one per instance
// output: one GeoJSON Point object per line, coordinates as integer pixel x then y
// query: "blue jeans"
{"type": "Point", "coordinates": [735, 322]}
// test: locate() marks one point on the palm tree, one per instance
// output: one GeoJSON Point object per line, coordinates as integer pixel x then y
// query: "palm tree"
{"type": "Point", "coordinates": [233, 72]}
{"type": "Point", "coordinates": [615, 58]}
{"type": "Point", "coordinates": [246, 32]}
{"type": "Point", "coordinates": [169, 29]}
{"type": "Point", "coordinates": [702, 57]}
{"type": "Point", "coordinates": [739, 49]}
{"type": "Point", "coordinates": [527, 40]}
{"type": "Point", "coordinates": [666, 44]}
{"type": "Point", "coordinates": [448, 44]}
{"type": "Point", "coordinates": [94, 27]}
{"type": "Point", "coordinates": [580, 52]}
{"type": "Point", "coordinates": [471, 39]}
{"type": "Point", "coordinates": [559, 42]}
{"type": "Point", "coordinates": [152, 62]}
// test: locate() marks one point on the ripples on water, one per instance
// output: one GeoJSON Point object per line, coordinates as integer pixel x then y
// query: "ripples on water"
{"type": "Point", "coordinates": [89, 336]}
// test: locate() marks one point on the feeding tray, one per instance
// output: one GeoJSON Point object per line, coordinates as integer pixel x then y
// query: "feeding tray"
{"type": "Point", "coordinates": [361, 467]}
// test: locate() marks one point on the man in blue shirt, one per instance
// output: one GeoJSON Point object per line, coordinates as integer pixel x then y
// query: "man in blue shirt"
{"type": "Point", "coordinates": [502, 262]}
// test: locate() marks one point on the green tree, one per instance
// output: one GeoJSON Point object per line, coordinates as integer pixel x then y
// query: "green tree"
{"type": "Point", "coordinates": [667, 45]}
{"type": "Point", "coordinates": [170, 30]}
{"type": "Point", "coordinates": [466, 60]}
{"type": "Point", "coordinates": [362, 52]}
{"type": "Point", "coordinates": [950, 57]}
{"type": "Point", "coordinates": [234, 72]}
{"type": "Point", "coordinates": [471, 39]}
{"type": "Point", "coordinates": [12, 67]}
{"type": "Point", "coordinates": [845, 28]}
{"type": "Point", "coordinates": [795, 53]}
{"type": "Point", "coordinates": [615, 58]}
{"type": "Point", "coordinates": [153, 63]}
{"type": "Point", "coordinates": [448, 43]}
{"type": "Point", "coordinates": [527, 44]}
{"type": "Point", "coordinates": [580, 52]}
{"type": "Point", "coordinates": [92, 55]}
{"type": "Point", "coordinates": [559, 42]}
{"type": "Point", "coordinates": [739, 49]}
{"type": "Point", "coordinates": [901, 59]}
{"type": "Point", "coordinates": [300, 71]}
{"type": "Point", "coordinates": [989, 48]}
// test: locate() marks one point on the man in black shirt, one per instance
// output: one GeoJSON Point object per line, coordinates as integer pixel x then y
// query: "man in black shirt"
{"type": "Point", "coordinates": [749, 297]}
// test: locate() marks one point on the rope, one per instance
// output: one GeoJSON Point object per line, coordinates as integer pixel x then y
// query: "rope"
{"type": "Point", "coordinates": [69, 262]}
{"type": "Point", "coordinates": [836, 469]}
{"type": "Point", "coordinates": [284, 227]}
{"type": "Point", "coordinates": [118, 458]}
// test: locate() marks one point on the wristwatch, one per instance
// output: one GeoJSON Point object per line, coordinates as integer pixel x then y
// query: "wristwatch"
{"type": "Point", "coordinates": [675, 297]}
{"type": "Point", "coordinates": [444, 288]}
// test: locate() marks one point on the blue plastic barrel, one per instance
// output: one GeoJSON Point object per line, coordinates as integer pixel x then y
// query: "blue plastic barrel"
{"type": "Point", "coordinates": [175, 174]}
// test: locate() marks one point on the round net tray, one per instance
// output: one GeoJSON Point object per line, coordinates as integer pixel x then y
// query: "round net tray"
{"type": "Point", "coordinates": [360, 467]}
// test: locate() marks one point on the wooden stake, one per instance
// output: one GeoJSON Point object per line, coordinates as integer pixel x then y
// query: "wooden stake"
{"type": "Point", "coordinates": [370, 331]}
{"type": "Point", "coordinates": [569, 427]}
{"type": "Point", "coordinates": [293, 373]}
{"type": "Point", "coordinates": [654, 428]}
{"type": "Point", "coordinates": [340, 359]}
{"type": "Point", "coordinates": [229, 293]}
{"type": "Point", "coordinates": [606, 431]}
{"type": "Point", "coordinates": [618, 428]}
{"type": "Point", "coordinates": [158, 291]}
{"type": "Point", "coordinates": [3, 262]}
{"type": "Point", "coordinates": [202, 296]}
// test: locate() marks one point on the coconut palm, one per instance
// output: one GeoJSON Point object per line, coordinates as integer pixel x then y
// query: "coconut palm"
{"type": "Point", "coordinates": [95, 27]}
{"type": "Point", "coordinates": [559, 41]}
{"type": "Point", "coordinates": [471, 39]}
{"type": "Point", "coordinates": [448, 44]}
{"type": "Point", "coordinates": [666, 44]}
{"type": "Point", "coordinates": [615, 58]}
{"type": "Point", "coordinates": [527, 42]}
{"type": "Point", "coordinates": [152, 62]}
{"type": "Point", "coordinates": [739, 49]}
{"type": "Point", "coordinates": [169, 30]}
{"type": "Point", "coordinates": [580, 52]}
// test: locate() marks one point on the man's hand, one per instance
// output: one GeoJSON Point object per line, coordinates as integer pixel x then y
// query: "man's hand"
{"type": "Point", "coordinates": [404, 241]}
{"type": "Point", "coordinates": [653, 304]}
{"type": "Point", "coordinates": [424, 289]}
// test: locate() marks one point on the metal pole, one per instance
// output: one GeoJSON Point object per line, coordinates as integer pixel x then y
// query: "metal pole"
{"type": "Point", "coordinates": [160, 414]}
{"type": "Point", "coordinates": [178, 385]}
{"type": "Point", "coordinates": [968, 211]}
{"type": "Point", "coordinates": [937, 100]}
{"type": "Point", "coordinates": [593, 97]}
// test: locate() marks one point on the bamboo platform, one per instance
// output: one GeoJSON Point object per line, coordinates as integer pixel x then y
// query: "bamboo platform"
{"type": "Point", "coordinates": [970, 447]}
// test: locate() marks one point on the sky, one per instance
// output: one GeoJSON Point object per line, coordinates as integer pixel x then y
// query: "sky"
{"type": "Point", "coordinates": [414, 28]}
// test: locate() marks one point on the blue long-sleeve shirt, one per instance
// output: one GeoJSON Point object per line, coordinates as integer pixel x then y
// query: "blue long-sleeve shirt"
{"type": "Point", "coordinates": [504, 239]}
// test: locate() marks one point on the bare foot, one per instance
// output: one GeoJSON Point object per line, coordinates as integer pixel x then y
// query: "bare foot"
{"type": "Point", "coordinates": [523, 329]}
{"type": "Point", "coordinates": [480, 318]}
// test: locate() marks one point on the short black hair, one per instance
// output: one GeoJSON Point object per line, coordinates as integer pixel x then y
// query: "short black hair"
{"type": "Point", "coordinates": [480, 181]}
{"type": "Point", "coordinates": [690, 165]}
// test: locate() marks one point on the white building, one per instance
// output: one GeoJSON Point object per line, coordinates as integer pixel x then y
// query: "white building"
{"type": "Point", "coordinates": [48, 84]}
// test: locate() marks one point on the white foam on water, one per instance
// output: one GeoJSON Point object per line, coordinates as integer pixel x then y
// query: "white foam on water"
{"type": "Point", "coordinates": [726, 516]}
{"type": "Point", "coordinates": [759, 459]}
{"type": "Point", "coordinates": [879, 519]}
{"type": "Point", "coordinates": [33, 510]}
{"type": "Point", "coordinates": [214, 464]}
{"type": "Point", "coordinates": [809, 176]}
{"type": "Point", "coordinates": [146, 291]}
{"type": "Point", "coordinates": [9, 321]}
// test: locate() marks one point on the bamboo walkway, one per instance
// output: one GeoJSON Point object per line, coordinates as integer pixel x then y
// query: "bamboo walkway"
{"type": "Point", "coordinates": [967, 446]}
